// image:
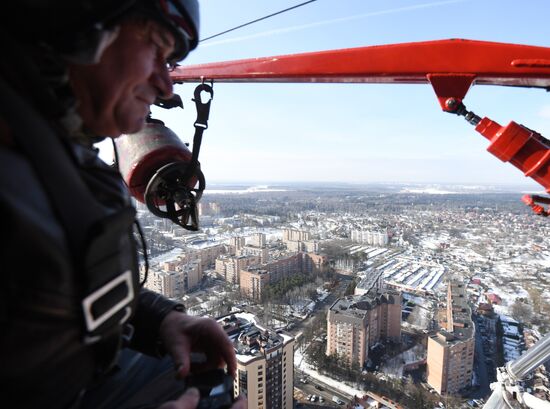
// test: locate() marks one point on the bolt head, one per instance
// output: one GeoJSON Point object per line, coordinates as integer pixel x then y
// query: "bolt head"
{"type": "Point", "coordinates": [451, 103]}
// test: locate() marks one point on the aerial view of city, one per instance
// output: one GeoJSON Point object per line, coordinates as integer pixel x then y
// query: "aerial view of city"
{"type": "Point", "coordinates": [388, 295]}
{"type": "Point", "coordinates": [291, 204]}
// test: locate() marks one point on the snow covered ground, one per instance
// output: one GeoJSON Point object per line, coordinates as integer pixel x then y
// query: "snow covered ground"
{"type": "Point", "coordinates": [301, 364]}
{"type": "Point", "coordinates": [419, 318]}
{"type": "Point", "coordinates": [394, 366]}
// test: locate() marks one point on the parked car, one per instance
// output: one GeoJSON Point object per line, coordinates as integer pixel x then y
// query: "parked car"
{"type": "Point", "coordinates": [337, 400]}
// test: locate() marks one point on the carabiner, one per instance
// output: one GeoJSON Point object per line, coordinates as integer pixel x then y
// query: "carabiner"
{"type": "Point", "coordinates": [203, 109]}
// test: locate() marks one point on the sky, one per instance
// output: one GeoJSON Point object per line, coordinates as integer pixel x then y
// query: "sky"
{"type": "Point", "coordinates": [356, 133]}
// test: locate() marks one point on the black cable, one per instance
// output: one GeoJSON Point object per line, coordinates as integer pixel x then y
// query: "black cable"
{"type": "Point", "coordinates": [258, 19]}
{"type": "Point", "coordinates": [144, 248]}
{"type": "Point", "coordinates": [115, 153]}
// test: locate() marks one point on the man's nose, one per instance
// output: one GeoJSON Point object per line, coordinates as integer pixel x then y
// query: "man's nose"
{"type": "Point", "coordinates": [162, 82]}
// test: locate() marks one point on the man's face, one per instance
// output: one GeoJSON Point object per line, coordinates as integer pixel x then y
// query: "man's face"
{"type": "Point", "coordinates": [114, 95]}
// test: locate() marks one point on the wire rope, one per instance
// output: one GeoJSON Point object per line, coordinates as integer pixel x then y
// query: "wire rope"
{"type": "Point", "coordinates": [256, 20]}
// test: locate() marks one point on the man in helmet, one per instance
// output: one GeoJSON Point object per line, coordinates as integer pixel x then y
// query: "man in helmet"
{"type": "Point", "coordinates": [72, 313]}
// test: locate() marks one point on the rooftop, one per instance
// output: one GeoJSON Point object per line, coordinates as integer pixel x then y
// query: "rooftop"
{"type": "Point", "coordinates": [463, 327]}
{"type": "Point", "coordinates": [358, 305]}
{"type": "Point", "coordinates": [370, 281]}
{"type": "Point", "coordinates": [251, 340]}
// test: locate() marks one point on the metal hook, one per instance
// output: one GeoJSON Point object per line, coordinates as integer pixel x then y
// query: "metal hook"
{"type": "Point", "coordinates": [203, 109]}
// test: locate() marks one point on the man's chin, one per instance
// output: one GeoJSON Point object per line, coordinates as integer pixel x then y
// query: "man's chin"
{"type": "Point", "coordinates": [132, 127]}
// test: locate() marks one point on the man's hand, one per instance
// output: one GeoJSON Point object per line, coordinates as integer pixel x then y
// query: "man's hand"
{"type": "Point", "coordinates": [182, 334]}
{"type": "Point", "coordinates": [190, 400]}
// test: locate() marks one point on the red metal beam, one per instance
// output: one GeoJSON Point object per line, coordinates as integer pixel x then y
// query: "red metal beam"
{"type": "Point", "coordinates": [484, 62]}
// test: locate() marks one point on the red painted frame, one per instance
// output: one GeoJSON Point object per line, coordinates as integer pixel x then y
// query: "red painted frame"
{"type": "Point", "coordinates": [451, 66]}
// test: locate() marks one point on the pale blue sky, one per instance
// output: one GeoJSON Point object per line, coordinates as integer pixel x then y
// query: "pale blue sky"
{"type": "Point", "coordinates": [293, 132]}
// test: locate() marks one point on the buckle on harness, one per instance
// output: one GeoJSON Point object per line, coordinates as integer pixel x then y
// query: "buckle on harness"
{"type": "Point", "coordinates": [93, 320]}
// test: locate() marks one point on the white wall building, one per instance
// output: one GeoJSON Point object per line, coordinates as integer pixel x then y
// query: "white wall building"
{"type": "Point", "coordinates": [370, 237]}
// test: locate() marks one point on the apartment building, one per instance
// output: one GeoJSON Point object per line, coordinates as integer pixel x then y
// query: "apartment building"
{"type": "Point", "coordinates": [295, 235]}
{"type": "Point", "coordinates": [192, 275]}
{"type": "Point", "coordinates": [208, 209]}
{"type": "Point", "coordinates": [253, 280]}
{"type": "Point", "coordinates": [230, 267]}
{"type": "Point", "coordinates": [357, 322]}
{"type": "Point", "coordinates": [261, 252]}
{"type": "Point", "coordinates": [257, 240]}
{"type": "Point", "coordinates": [451, 350]}
{"type": "Point", "coordinates": [314, 263]}
{"type": "Point", "coordinates": [373, 238]}
{"type": "Point", "coordinates": [175, 279]}
{"type": "Point", "coordinates": [207, 253]}
{"type": "Point", "coordinates": [311, 246]}
{"type": "Point", "coordinates": [257, 246]}
{"type": "Point", "coordinates": [265, 363]}
{"type": "Point", "coordinates": [299, 241]}
{"type": "Point", "coordinates": [235, 244]}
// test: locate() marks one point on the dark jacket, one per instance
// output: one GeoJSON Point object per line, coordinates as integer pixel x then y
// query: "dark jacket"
{"type": "Point", "coordinates": [44, 360]}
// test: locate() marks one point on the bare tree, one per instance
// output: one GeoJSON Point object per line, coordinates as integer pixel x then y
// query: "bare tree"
{"type": "Point", "coordinates": [521, 312]}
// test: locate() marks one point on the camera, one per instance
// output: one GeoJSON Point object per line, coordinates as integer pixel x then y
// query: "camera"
{"type": "Point", "coordinates": [215, 387]}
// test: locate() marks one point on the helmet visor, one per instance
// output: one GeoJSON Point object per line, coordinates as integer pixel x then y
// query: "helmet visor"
{"type": "Point", "coordinates": [175, 15]}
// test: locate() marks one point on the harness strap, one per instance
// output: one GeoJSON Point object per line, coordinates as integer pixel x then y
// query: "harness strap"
{"type": "Point", "coordinates": [201, 124]}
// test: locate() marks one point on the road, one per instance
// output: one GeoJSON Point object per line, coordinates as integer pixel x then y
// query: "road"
{"type": "Point", "coordinates": [316, 387]}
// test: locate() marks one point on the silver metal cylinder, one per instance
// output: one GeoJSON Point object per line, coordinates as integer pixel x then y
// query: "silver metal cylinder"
{"type": "Point", "coordinates": [531, 359]}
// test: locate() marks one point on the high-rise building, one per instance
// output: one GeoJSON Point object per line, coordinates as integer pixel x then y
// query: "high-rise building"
{"type": "Point", "coordinates": [192, 275]}
{"type": "Point", "coordinates": [254, 279]}
{"type": "Point", "coordinates": [451, 350]}
{"type": "Point", "coordinates": [253, 282]}
{"type": "Point", "coordinates": [370, 237]}
{"type": "Point", "coordinates": [175, 279]}
{"type": "Point", "coordinates": [261, 252]}
{"type": "Point", "coordinates": [205, 252]}
{"type": "Point", "coordinates": [230, 267]}
{"type": "Point", "coordinates": [167, 283]}
{"type": "Point", "coordinates": [236, 243]}
{"type": "Point", "coordinates": [314, 263]}
{"type": "Point", "coordinates": [299, 240]}
{"type": "Point", "coordinates": [295, 235]}
{"type": "Point", "coordinates": [311, 246]}
{"type": "Point", "coordinates": [257, 240]}
{"type": "Point", "coordinates": [357, 322]}
{"type": "Point", "coordinates": [265, 363]}
{"type": "Point", "coordinates": [206, 209]}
